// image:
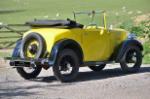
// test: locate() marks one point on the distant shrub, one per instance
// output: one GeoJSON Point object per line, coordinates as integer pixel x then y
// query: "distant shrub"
{"type": "Point", "coordinates": [127, 25]}
{"type": "Point", "coordinates": [141, 30]}
{"type": "Point", "coordinates": [146, 48]}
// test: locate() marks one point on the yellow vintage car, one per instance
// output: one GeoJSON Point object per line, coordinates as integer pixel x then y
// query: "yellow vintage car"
{"type": "Point", "coordinates": [66, 45]}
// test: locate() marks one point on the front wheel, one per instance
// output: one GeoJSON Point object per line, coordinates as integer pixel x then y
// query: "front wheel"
{"type": "Point", "coordinates": [132, 59]}
{"type": "Point", "coordinates": [67, 66]}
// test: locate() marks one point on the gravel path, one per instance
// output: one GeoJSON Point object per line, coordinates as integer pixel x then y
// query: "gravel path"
{"type": "Point", "coordinates": [111, 83]}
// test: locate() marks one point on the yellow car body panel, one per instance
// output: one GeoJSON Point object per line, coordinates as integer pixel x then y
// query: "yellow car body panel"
{"type": "Point", "coordinates": [66, 45]}
{"type": "Point", "coordinates": [97, 43]}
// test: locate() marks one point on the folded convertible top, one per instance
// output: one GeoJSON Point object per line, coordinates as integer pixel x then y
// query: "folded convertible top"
{"type": "Point", "coordinates": [54, 23]}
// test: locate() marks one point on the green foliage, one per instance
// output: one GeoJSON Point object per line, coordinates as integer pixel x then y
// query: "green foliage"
{"type": "Point", "coordinates": [127, 25]}
{"type": "Point", "coordinates": [141, 30]}
{"type": "Point", "coordinates": [146, 52]}
{"type": "Point", "coordinates": [146, 48]}
{"type": "Point", "coordinates": [137, 30]}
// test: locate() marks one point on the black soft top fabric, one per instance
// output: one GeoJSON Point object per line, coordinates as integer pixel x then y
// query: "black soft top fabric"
{"type": "Point", "coordinates": [54, 23]}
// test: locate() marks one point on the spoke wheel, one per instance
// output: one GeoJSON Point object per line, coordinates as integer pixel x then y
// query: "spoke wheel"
{"type": "Point", "coordinates": [132, 59]}
{"type": "Point", "coordinates": [29, 72]}
{"type": "Point", "coordinates": [33, 46]}
{"type": "Point", "coordinates": [67, 66]}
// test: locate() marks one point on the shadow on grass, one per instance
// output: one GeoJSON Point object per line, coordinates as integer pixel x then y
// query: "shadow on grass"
{"type": "Point", "coordinates": [91, 75]}
{"type": "Point", "coordinates": [11, 11]}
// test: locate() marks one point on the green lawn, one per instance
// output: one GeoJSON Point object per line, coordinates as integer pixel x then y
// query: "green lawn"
{"type": "Point", "coordinates": [20, 11]}
{"type": "Point", "coordinates": [146, 52]}
{"type": "Point", "coordinates": [5, 53]}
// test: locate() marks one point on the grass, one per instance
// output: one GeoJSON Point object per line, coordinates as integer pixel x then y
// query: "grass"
{"type": "Point", "coordinates": [5, 53]}
{"type": "Point", "coordinates": [20, 11]}
{"type": "Point", "coordinates": [146, 59]}
{"type": "Point", "coordinates": [146, 52]}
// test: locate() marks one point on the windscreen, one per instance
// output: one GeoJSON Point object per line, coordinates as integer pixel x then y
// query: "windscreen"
{"type": "Point", "coordinates": [89, 19]}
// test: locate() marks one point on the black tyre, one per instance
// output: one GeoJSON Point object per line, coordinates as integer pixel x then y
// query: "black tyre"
{"type": "Point", "coordinates": [29, 72]}
{"type": "Point", "coordinates": [97, 68]}
{"type": "Point", "coordinates": [132, 59]}
{"type": "Point", "coordinates": [33, 46]}
{"type": "Point", "coordinates": [67, 66]}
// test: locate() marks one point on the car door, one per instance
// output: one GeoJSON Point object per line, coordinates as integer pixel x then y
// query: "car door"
{"type": "Point", "coordinates": [96, 44]}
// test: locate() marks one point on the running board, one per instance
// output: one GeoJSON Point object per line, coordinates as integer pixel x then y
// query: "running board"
{"type": "Point", "coordinates": [93, 63]}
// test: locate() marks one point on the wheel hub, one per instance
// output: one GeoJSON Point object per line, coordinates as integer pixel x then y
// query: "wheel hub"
{"type": "Point", "coordinates": [66, 66]}
{"type": "Point", "coordinates": [33, 48]}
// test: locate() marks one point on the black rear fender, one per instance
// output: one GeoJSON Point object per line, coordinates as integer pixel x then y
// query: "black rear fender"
{"type": "Point", "coordinates": [66, 43]}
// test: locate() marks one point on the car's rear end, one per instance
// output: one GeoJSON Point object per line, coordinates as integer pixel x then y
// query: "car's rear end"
{"type": "Point", "coordinates": [35, 50]}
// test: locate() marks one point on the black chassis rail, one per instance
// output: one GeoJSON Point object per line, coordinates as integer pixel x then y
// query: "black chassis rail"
{"type": "Point", "coordinates": [19, 62]}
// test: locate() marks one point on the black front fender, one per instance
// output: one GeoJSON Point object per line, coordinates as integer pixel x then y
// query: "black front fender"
{"type": "Point", "coordinates": [125, 45]}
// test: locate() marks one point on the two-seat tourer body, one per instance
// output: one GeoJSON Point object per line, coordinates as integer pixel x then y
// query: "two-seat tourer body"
{"type": "Point", "coordinates": [66, 45]}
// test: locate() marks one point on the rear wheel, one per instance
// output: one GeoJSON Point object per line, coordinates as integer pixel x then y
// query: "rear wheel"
{"type": "Point", "coordinates": [33, 46]}
{"type": "Point", "coordinates": [29, 72]}
{"type": "Point", "coordinates": [97, 68]}
{"type": "Point", "coordinates": [67, 66]}
{"type": "Point", "coordinates": [132, 59]}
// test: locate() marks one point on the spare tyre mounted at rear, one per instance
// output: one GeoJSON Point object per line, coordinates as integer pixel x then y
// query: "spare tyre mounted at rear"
{"type": "Point", "coordinates": [33, 46]}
